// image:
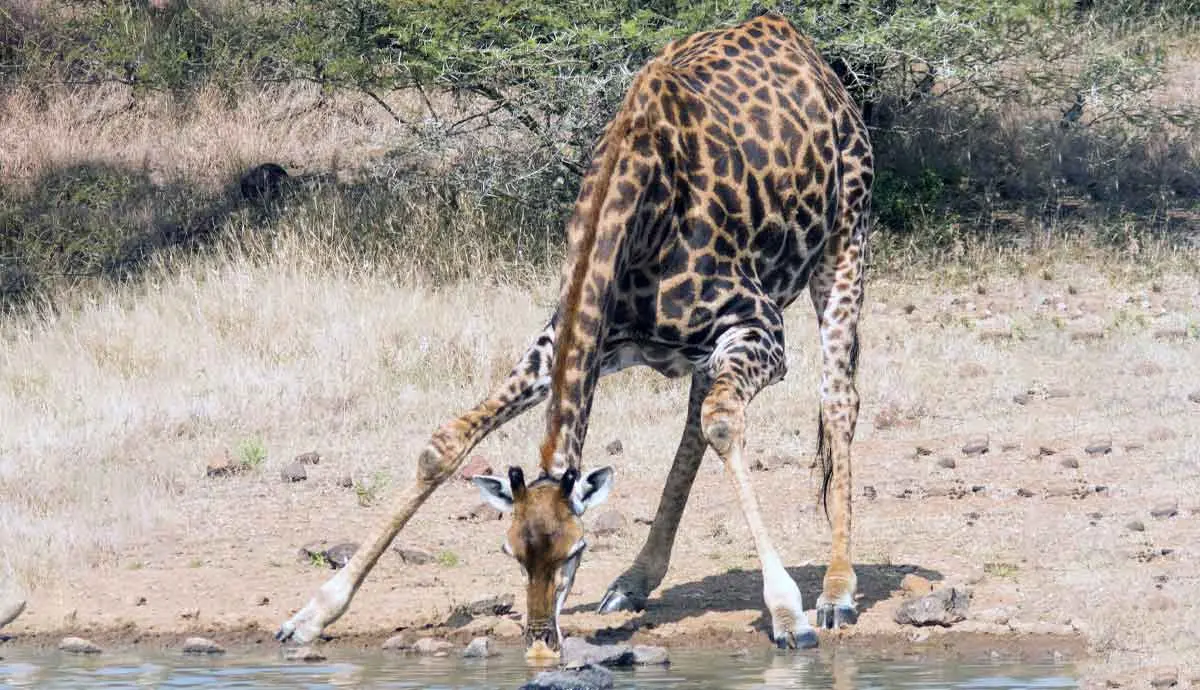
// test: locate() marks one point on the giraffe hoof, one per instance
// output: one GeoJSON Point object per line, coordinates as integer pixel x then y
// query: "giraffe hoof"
{"type": "Point", "coordinates": [832, 617]}
{"type": "Point", "coordinates": [804, 639]}
{"type": "Point", "coordinates": [615, 600]}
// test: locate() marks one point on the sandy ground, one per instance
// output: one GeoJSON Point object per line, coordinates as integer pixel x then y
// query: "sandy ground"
{"type": "Point", "coordinates": [1039, 529]}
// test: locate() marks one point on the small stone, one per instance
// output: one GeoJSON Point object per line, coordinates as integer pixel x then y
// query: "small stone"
{"type": "Point", "coordinates": [401, 642]}
{"type": "Point", "coordinates": [307, 654]}
{"type": "Point", "coordinates": [477, 466]}
{"type": "Point", "coordinates": [9, 611]}
{"type": "Point", "coordinates": [608, 523]}
{"type": "Point", "coordinates": [943, 607]}
{"type": "Point", "coordinates": [1024, 493]}
{"type": "Point", "coordinates": [78, 645]}
{"type": "Point", "coordinates": [578, 653]}
{"type": "Point", "coordinates": [1087, 336]}
{"type": "Point", "coordinates": [1135, 526]}
{"type": "Point", "coordinates": [312, 457]}
{"type": "Point", "coordinates": [1021, 398]}
{"type": "Point", "coordinates": [760, 465]}
{"type": "Point", "coordinates": [345, 481]}
{"type": "Point", "coordinates": [915, 584]}
{"type": "Point", "coordinates": [1010, 446]}
{"type": "Point", "coordinates": [615, 447]}
{"type": "Point", "coordinates": [1165, 510]}
{"type": "Point", "coordinates": [262, 600]}
{"type": "Point", "coordinates": [976, 446]}
{"type": "Point", "coordinates": [947, 463]}
{"type": "Point", "coordinates": [411, 556]}
{"type": "Point", "coordinates": [589, 678]}
{"type": "Point", "coordinates": [201, 645]}
{"type": "Point", "coordinates": [293, 472]}
{"type": "Point", "coordinates": [1194, 396]}
{"type": "Point", "coordinates": [649, 655]}
{"type": "Point", "coordinates": [223, 465]}
{"type": "Point", "coordinates": [1099, 447]}
{"type": "Point", "coordinates": [923, 451]}
{"type": "Point", "coordinates": [1165, 679]}
{"type": "Point", "coordinates": [431, 646]}
{"type": "Point", "coordinates": [869, 492]}
{"type": "Point", "coordinates": [508, 629]}
{"type": "Point", "coordinates": [481, 513]}
{"type": "Point", "coordinates": [190, 614]}
{"type": "Point", "coordinates": [1046, 451]}
{"type": "Point", "coordinates": [139, 601]}
{"type": "Point", "coordinates": [480, 648]}
{"type": "Point", "coordinates": [1069, 463]}
{"type": "Point", "coordinates": [339, 555]}
{"type": "Point", "coordinates": [495, 605]}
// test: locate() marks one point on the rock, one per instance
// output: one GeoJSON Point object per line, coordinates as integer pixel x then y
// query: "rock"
{"type": "Point", "coordinates": [869, 492]}
{"type": "Point", "coordinates": [312, 457]}
{"type": "Point", "coordinates": [224, 465]}
{"type": "Point", "coordinates": [1099, 447]}
{"type": "Point", "coordinates": [589, 678]}
{"type": "Point", "coordinates": [1046, 450]}
{"type": "Point", "coordinates": [412, 556]}
{"type": "Point", "coordinates": [431, 646]}
{"type": "Point", "coordinates": [1135, 526]}
{"type": "Point", "coordinates": [262, 600]}
{"type": "Point", "coordinates": [615, 447]}
{"type": "Point", "coordinates": [1194, 396]}
{"type": "Point", "coordinates": [923, 451]}
{"type": "Point", "coordinates": [78, 645]}
{"type": "Point", "coordinates": [139, 601]}
{"type": "Point", "coordinates": [190, 614]}
{"type": "Point", "coordinates": [400, 642]}
{"type": "Point", "coordinates": [947, 463]}
{"type": "Point", "coordinates": [481, 513]}
{"type": "Point", "coordinates": [201, 645]}
{"type": "Point", "coordinates": [1021, 398]}
{"type": "Point", "coordinates": [496, 605]}
{"type": "Point", "coordinates": [915, 584]}
{"type": "Point", "coordinates": [293, 472]}
{"type": "Point", "coordinates": [306, 653]}
{"type": "Point", "coordinates": [339, 555]}
{"type": "Point", "coordinates": [975, 446]}
{"type": "Point", "coordinates": [344, 481]}
{"type": "Point", "coordinates": [608, 523]}
{"type": "Point", "coordinates": [508, 629]}
{"type": "Point", "coordinates": [1069, 463]}
{"type": "Point", "coordinates": [1165, 510]}
{"type": "Point", "coordinates": [1024, 493]}
{"type": "Point", "coordinates": [909, 308]}
{"type": "Point", "coordinates": [480, 648]}
{"type": "Point", "coordinates": [943, 607]}
{"type": "Point", "coordinates": [578, 653]}
{"type": "Point", "coordinates": [760, 465]}
{"type": "Point", "coordinates": [1165, 679]}
{"type": "Point", "coordinates": [477, 466]}
{"type": "Point", "coordinates": [649, 655]}
{"type": "Point", "coordinates": [9, 610]}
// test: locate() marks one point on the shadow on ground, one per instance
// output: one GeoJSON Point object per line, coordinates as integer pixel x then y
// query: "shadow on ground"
{"type": "Point", "coordinates": [741, 590]}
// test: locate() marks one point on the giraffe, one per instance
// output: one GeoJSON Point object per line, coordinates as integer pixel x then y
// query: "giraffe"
{"type": "Point", "coordinates": [736, 173]}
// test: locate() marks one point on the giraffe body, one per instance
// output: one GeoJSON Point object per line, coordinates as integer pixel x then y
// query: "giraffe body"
{"type": "Point", "coordinates": [735, 175]}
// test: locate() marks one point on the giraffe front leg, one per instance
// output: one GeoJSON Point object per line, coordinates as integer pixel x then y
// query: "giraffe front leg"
{"type": "Point", "coordinates": [526, 386]}
{"type": "Point", "coordinates": [632, 588]}
{"type": "Point", "coordinates": [746, 361]}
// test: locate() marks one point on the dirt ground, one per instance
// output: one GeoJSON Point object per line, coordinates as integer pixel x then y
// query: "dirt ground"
{"type": "Point", "coordinates": [1042, 531]}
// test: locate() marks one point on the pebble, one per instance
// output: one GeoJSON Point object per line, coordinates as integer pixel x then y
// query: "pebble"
{"type": "Point", "coordinates": [223, 465]}
{"type": "Point", "coordinates": [649, 655]}
{"type": "Point", "coordinates": [947, 463]}
{"type": "Point", "coordinates": [78, 645]}
{"type": "Point", "coordinates": [293, 472]}
{"type": "Point", "coordinates": [413, 556]}
{"type": "Point", "coordinates": [139, 601]}
{"type": "Point", "coordinates": [1165, 679]}
{"type": "Point", "coordinates": [303, 654]}
{"type": "Point", "coordinates": [399, 642]}
{"type": "Point", "coordinates": [201, 645]}
{"type": "Point", "coordinates": [977, 446]}
{"type": "Point", "coordinates": [1069, 463]}
{"type": "Point", "coordinates": [481, 513]}
{"type": "Point", "coordinates": [480, 648]}
{"type": "Point", "coordinates": [615, 447]}
{"type": "Point", "coordinates": [339, 555]}
{"type": "Point", "coordinates": [869, 492]}
{"type": "Point", "coordinates": [608, 523]}
{"type": "Point", "coordinates": [943, 607]}
{"type": "Point", "coordinates": [1099, 447]}
{"type": "Point", "coordinates": [1024, 493]}
{"type": "Point", "coordinates": [312, 457]}
{"type": "Point", "coordinates": [1194, 396]}
{"type": "Point", "coordinates": [431, 646]}
{"type": "Point", "coordinates": [922, 451]}
{"type": "Point", "coordinates": [1165, 510]}
{"type": "Point", "coordinates": [1135, 526]}
{"type": "Point", "coordinates": [915, 584]}
{"type": "Point", "coordinates": [1021, 398]}
{"type": "Point", "coordinates": [577, 652]}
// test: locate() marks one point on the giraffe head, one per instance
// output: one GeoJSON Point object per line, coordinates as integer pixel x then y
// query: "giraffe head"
{"type": "Point", "coordinates": [546, 539]}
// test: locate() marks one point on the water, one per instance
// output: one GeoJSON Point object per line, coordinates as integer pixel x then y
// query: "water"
{"type": "Point", "coordinates": [696, 668]}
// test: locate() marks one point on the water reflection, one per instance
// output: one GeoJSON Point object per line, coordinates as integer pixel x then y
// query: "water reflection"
{"type": "Point", "coordinates": [830, 667]}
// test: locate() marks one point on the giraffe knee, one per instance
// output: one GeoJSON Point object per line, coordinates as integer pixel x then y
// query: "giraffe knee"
{"type": "Point", "coordinates": [722, 424]}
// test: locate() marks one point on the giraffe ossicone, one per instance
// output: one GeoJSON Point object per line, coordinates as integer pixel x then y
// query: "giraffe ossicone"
{"type": "Point", "coordinates": [735, 175]}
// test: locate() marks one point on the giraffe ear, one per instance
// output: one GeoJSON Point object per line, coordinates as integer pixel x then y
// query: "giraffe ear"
{"type": "Point", "coordinates": [495, 491]}
{"type": "Point", "coordinates": [593, 489]}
